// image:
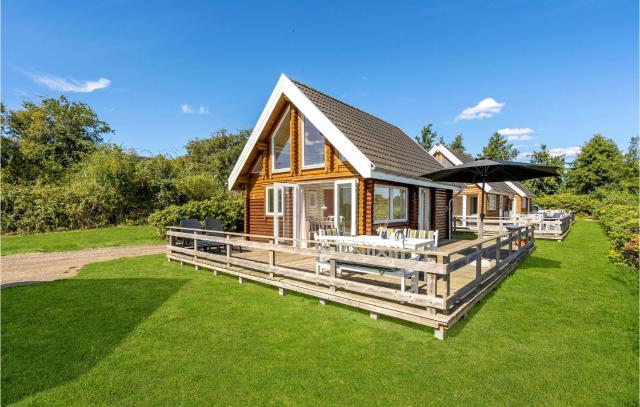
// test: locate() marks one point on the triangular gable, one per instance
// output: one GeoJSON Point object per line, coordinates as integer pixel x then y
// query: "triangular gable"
{"type": "Point", "coordinates": [286, 88]}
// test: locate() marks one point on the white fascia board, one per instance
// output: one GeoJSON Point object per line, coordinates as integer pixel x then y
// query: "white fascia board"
{"type": "Point", "coordinates": [353, 155]}
{"type": "Point", "coordinates": [285, 87]}
{"type": "Point", "coordinates": [257, 130]}
{"type": "Point", "coordinates": [445, 152]}
{"type": "Point", "coordinates": [516, 189]}
{"type": "Point", "coordinates": [385, 176]}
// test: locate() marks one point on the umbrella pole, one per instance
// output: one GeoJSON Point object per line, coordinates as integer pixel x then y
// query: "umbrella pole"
{"type": "Point", "coordinates": [481, 227]}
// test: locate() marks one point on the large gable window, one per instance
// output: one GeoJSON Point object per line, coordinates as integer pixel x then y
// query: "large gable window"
{"type": "Point", "coordinates": [281, 144]}
{"type": "Point", "coordinates": [313, 142]}
{"type": "Point", "coordinates": [389, 204]}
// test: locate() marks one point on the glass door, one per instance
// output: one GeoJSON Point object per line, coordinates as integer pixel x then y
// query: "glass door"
{"type": "Point", "coordinates": [345, 207]}
{"type": "Point", "coordinates": [286, 228]}
{"type": "Point", "coordinates": [424, 209]}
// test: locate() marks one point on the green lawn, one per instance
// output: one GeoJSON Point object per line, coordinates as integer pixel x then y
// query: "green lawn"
{"type": "Point", "coordinates": [79, 239]}
{"type": "Point", "coordinates": [562, 330]}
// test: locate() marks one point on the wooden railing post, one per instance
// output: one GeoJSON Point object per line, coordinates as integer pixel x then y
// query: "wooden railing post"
{"type": "Point", "coordinates": [478, 260]}
{"type": "Point", "coordinates": [272, 259]}
{"type": "Point", "coordinates": [510, 243]}
{"type": "Point", "coordinates": [432, 289]}
{"type": "Point", "coordinates": [228, 250]}
{"type": "Point", "coordinates": [332, 268]}
{"type": "Point", "coordinates": [498, 250]}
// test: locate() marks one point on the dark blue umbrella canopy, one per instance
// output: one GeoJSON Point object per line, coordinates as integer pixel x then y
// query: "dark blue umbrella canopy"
{"type": "Point", "coordinates": [488, 170]}
{"type": "Point", "coordinates": [483, 170]}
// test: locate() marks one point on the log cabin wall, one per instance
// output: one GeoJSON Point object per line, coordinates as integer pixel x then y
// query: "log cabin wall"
{"type": "Point", "coordinates": [256, 219]}
{"type": "Point", "coordinates": [439, 208]}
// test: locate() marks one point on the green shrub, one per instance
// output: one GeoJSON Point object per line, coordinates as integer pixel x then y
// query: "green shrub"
{"type": "Point", "coordinates": [579, 204]}
{"type": "Point", "coordinates": [228, 209]}
{"type": "Point", "coordinates": [620, 221]}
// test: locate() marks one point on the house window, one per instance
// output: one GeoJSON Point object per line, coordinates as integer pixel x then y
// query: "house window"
{"type": "Point", "coordinates": [524, 202]}
{"type": "Point", "coordinates": [270, 203]}
{"type": "Point", "coordinates": [313, 150]}
{"type": "Point", "coordinates": [257, 167]}
{"type": "Point", "coordinates": [389, 204]}
{"type": "Point", "coordinates": [492, 202]}
{"type": "Point", "coordinates": [281, 144]}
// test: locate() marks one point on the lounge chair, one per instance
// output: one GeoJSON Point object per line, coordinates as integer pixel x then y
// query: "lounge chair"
{"type": "Point", "coordinates": [215, 226]}
{"type": "Point", "coordinates": [189, 224]}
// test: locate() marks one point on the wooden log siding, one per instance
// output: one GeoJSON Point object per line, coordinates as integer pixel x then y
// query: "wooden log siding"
{"type": "Point", "coordinates": [439, 309]}
{"type": "Point", "coordinates": [440, 211]}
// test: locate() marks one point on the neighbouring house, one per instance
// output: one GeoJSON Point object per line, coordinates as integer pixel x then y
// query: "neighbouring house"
{"type": "Point", "coordinates": [502, 199]}
{"type": "Point", "coordinates": [314, 162]}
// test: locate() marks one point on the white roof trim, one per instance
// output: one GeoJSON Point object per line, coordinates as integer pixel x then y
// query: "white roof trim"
{"type": "Point", "coordinates": [385, 176]}
{"type": "Point", "coordinates": [287, 88]}
{"type": "Point", "coordinates": [445, 152]}
{"type": "Point", "coordinates": [516, 189]}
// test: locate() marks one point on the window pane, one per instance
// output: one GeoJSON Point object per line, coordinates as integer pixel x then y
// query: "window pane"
{"type": "Point", "coordinates": [280, 201]}
{"type": "Point", "coordinates": [344, 208]}
{"type": "Point", "coordinates": [257, 167]}
{"type": "Point", "coordinates": [399, 200]}
{"type": "Point", "coordinates": [281, 145]}
{"type": "Point", "coordinates": [313, 144]}
{"type": "Point", "coordinates": [380, 204]}
{"type": "Point", "coordinates": [269, 200]}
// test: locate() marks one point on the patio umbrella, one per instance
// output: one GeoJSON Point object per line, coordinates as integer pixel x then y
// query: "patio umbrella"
{"type": "Point", "coordinates": [483, 170]}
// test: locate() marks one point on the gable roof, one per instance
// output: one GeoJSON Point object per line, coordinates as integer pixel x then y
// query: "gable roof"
{"type": "Point", "coordinates": [385, 145]}
{"type": "Point", "coordinates": [375, 148]}
{"type": "Point", "coordinates": [502, 188]}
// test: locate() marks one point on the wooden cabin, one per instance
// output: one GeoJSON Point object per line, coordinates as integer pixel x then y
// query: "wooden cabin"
{"type": "Point", "coordinates": [314, 162]}
{"type": "Point", "coordinates": [502, 199]}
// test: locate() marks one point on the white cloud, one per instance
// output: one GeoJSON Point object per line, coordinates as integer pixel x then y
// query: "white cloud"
{"type": "Point", "coordinates": [69, 84]}
{"type": "Point", "coordinates": [568, 151]}
{"type": "Point", "coordinates": [523, 155]}
{"type": "Point", "coordinates": [484, 109]}
{"type": "Point", "coordinates": [186, 109]}
{"type": "Point", "coordinates": [517, 134]}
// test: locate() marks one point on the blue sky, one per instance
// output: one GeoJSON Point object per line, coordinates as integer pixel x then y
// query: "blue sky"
{"type": "Point", "coordinates": [551, 72]}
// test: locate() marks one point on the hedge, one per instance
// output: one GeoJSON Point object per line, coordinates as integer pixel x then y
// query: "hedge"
{"type": "Point", "coordinates": [229, 210]}
{"type": "Point", "coordinates": [579, 204]}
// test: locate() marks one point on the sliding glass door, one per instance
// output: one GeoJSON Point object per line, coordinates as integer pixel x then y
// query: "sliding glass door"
{"type": "Point", "coordinates": [346, 207]}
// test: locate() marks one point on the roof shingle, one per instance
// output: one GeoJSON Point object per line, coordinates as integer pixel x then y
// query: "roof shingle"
{"type": "Point", "coordinates": [385, 145]}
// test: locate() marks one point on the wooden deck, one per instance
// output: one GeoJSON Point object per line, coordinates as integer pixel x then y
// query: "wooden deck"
{"type": "Point", "coordinates": [451, 279]}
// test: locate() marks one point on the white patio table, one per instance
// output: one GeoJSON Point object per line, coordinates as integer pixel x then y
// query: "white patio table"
{"type": "Point", "coordinates": [376, 241]}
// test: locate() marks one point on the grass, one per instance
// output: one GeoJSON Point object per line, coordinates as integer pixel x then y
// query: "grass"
{"type": "Point", "coordinates": [79, 239]}
{"type": "Point", "coordinates": [562, 330]}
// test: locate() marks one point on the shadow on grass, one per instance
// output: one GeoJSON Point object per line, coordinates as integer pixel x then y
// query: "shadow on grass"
{"type": "Point", "coordinates": [53, 333]}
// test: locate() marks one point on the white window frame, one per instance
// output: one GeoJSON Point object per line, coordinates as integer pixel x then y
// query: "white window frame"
{"type": "Point", "coordinates": [273, 144]}
{"type": "Point", "coordinates": [494, 201]}
{"type": "Point", "coordinates": [390, 209]}
{"type": "Point", "coordinates": [354, 207]}
{"type": "Point", "coordinates": [302, 142]}
{"type": "Point", "coordinates": [266, 203]}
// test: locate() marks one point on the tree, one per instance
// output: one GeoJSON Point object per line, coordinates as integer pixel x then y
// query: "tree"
{"type": "Point", "coordinates": [52, 135]}
{"type": "Point", "coordinates": [548, 185]}
{"type": "Point", "coordinates": [499, 148]}
{"type": "Point", "coordinates": [631, 162]}
{"type": "Point", "coordinates": [427, 137]}
{"type": "Point", "coordinates": [217, 154]}
{"type": "Point", "coordinates": [599, 165]}
{"type": "Point", "coordinates": [457, 144]}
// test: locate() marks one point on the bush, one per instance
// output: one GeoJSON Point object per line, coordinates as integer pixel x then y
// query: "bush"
{"type": "Point", "coordinates": [579, 204]}
{"type": "Point", "coordinates": [620, 221]}
{"type": "Point", "coordinates": [228, 209]}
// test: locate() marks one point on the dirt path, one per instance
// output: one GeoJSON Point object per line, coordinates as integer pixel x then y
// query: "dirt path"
{"type": "Point", "coordinates": [36, 267]}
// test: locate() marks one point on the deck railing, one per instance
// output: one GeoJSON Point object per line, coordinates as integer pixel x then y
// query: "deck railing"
{"type": "Point", "coordinates": [548, 225]}
{"type": "Point", "coordinates": [473, 266]}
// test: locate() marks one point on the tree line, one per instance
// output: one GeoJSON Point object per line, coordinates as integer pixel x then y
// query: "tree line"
{"type": "Point", "coordinates": [57, 172]}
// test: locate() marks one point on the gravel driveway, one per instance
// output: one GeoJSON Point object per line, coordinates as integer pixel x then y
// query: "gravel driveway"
{"type": "Point", "coordinates": [37, 267]}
